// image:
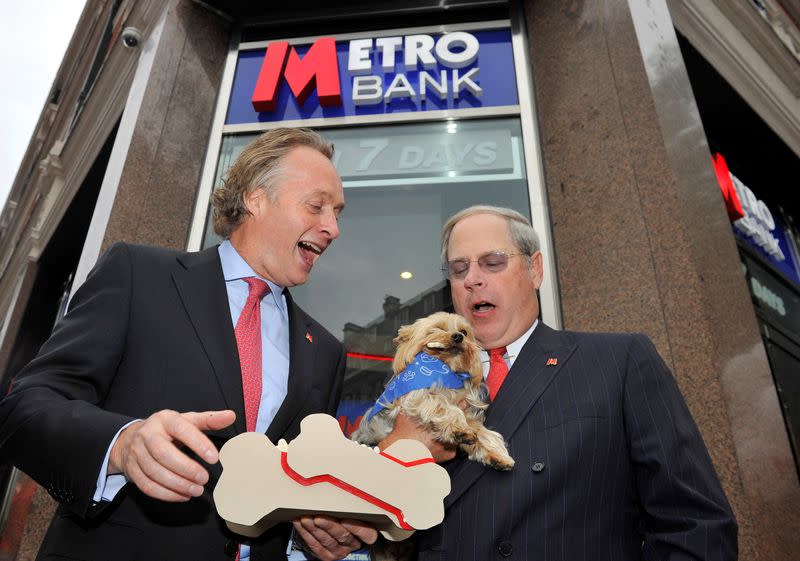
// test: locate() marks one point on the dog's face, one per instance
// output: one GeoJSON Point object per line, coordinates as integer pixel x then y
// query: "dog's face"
{"type": "Point", "coordinates": [448, 337]}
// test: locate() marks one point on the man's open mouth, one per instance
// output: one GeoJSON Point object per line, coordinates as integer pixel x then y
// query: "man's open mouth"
{"type": "Point", "coordinates": [308, 246]}
{"type": "Point", "coordinates": [483, 306]}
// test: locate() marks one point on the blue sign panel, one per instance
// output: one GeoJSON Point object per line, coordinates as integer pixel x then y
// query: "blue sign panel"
{"type": "Point", "coordinates": [433, 83]}
{"type": "Point", "coordinates": [788, 266]}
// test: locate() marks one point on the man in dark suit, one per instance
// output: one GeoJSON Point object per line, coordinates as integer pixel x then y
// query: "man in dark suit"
{"type": "Point", "coordinates": [160, 347]}
{"type": "Point", "coordinates": [609, 463]}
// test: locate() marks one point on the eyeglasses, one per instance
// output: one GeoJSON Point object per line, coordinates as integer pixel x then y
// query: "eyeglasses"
{"type": "Point", "coordinates": [492, 262]}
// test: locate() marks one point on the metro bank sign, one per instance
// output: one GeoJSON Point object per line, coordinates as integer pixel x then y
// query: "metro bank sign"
{"type": "Point", "coordinates": [368, 76]}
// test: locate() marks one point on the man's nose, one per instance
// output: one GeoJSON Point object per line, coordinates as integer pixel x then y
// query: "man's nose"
{"type": "Point", "coordinates": [474, 276]}
{"type": "Point", "coordinates": [330, 225]}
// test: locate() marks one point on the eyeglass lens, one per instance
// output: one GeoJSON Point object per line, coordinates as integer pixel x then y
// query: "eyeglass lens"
{"type": "Point", "coordinates": [489, 263]}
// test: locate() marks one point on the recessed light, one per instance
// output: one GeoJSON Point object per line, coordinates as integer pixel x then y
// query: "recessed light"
{"type": "Point", "coordinates": [405, 275]}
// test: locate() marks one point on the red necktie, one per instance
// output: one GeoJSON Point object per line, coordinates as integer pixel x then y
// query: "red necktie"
{"type": "Point", "coordinates": [248, 340]}
{"type": "Point", "coordinates": [497, 371]}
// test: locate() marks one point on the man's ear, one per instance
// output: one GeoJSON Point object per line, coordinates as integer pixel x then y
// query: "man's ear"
{"type": "Point", "coordinates": [253, 199]}
{"type": "Point", "coordinates": [537, 270]}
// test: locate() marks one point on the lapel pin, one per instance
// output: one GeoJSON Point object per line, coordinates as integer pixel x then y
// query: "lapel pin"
{"type": "Point", "coordinates": [552, 361]}
{"type": "Point", "coordinates": [309, 338]}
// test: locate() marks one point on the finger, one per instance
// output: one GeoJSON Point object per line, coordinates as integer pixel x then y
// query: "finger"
{"type": "Point", "coordinates": [184, 428]}
{"type": "Point", "coordinates": [334, 528]}
{"type": "Point", "coordinates": [361, 530]}
{"type": "Point", "coordinates": [442, 452]}
{"type": "Point", "coordinates": [322, 544]}
{"type": "Point", "coordinates": [151, 488]}
{"type": "Point", "coordinates": [319, 551]}
{"type": "Point", "coordinates": [211, 420]}
{"type": "Point", "coordinates": [155, 467]}
{"type": "Point", "coordinates": [158, 449]}
{"type": "Point", "coordinates": [445, 454]}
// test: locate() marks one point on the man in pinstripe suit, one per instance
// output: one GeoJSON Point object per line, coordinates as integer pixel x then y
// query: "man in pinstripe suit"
{"type": "Point", "coordinates": [609, 463]}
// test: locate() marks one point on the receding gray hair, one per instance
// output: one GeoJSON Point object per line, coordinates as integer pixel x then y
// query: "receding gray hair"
{"type": "Point", "coordinates": [522, 233]}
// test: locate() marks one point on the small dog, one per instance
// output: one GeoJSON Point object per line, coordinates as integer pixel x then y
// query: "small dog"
{"type": "Point", "coordinates": [437, 370]}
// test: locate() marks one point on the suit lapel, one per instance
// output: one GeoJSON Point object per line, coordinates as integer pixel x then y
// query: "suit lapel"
{"type": "Point", "coordinates": [302, 355]}
{"type": "Point", "coordinates": [201, 287]}
{"type": "Point", "coordinates": [535, 368]}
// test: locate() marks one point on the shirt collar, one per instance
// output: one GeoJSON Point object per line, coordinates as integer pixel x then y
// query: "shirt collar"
{"type": "Point", "coordinates": [515, 347]}
{"type": "Point", "coordinates": [234, 267]}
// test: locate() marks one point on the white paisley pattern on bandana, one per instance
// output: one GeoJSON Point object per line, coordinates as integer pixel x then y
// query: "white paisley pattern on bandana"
{"type": "Point", "coordinates": [425, 372]}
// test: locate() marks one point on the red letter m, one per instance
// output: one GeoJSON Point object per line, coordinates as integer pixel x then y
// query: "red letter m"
{"type": "Point", "coordinates": [319, 67]}
{"type": "Point", "coordinates": [732, 203]}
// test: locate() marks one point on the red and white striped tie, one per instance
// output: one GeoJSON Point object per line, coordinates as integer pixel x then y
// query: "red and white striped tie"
{"type": "Point", "coordinates": [248, 340]}
{"type": "Point", "coordinates": [498, 369]}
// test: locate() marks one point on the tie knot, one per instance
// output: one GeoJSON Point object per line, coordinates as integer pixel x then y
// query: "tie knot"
{"type": "Point", "coordinates": [497, 353]}
{"type": "Point", "coordinates": [258, 288]}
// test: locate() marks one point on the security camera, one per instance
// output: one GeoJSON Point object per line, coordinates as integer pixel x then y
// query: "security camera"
{"type": "Point", "coordinates": [131, 37]}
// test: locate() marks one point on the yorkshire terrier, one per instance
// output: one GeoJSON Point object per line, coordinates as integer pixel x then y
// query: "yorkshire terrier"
{"type": "Point", "coordinates": [437, 384]}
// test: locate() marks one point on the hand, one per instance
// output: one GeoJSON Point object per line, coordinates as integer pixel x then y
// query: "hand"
{"type": "Point", "coordinates": [147, 453]}
{"type": "Point", "coordinates": [405, 428]}
{"type": "Point", "coordinates": [330, 539]}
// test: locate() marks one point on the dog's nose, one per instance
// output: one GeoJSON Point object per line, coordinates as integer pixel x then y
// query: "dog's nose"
{"type": "Point", "coordinates": [457, 337]}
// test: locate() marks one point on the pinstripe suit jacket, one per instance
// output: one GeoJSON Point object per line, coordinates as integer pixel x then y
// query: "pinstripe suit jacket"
{"type": "Point", "coordinates": [609, 464]}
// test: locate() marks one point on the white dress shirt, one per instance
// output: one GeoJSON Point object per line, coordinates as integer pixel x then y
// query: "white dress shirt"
{"type": "Point", "coordinates": [512, 350]}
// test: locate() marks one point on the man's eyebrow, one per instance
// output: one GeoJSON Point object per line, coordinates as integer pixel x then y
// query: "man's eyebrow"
{"type": "Point", "coordinates": [328, 197]}
{"type": "Point", "coordinates": [321, 193]}
{"type": "Point", "coordinates": [484, 254]}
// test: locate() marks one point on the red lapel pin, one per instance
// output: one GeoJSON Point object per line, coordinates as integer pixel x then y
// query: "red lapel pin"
{"type": "Point", "coordinates": [552, 361]}
{"type": "Point", "coordinates": [309, 337]}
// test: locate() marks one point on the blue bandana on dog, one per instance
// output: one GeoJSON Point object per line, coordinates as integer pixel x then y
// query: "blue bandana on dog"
{"type": "Point", "coordinates": [424, 372]}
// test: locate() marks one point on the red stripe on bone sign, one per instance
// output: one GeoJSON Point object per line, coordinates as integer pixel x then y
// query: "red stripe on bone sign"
{"type": "Point", "coordinates": [344, 487]}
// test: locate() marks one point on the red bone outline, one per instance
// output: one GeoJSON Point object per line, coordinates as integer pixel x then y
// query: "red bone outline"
{"type": "Point", "coordinates": [233, 456]}
{"type": "Point", "coordinates": [327, 478]}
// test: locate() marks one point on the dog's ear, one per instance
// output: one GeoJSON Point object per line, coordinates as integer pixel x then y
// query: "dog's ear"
{"type": "Point", "coordinates": [403, 335]}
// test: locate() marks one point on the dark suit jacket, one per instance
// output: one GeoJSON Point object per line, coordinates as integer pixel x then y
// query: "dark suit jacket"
{"type": "Point", "coordinates": [609, 464]}
{"type": "Point", "coordinates": [149, 330]}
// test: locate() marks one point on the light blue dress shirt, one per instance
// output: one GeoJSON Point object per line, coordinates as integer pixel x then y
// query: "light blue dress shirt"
{"type": "Point", "coordinates": [274, 337]}
{"type": "Point", "coordinates": [274, 357]}
{"type": "Point", "coordinates": [274, 331]}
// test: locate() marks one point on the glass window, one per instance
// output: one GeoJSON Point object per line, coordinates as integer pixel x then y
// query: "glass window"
{"type": "Point", "coordinates": [401, 182]}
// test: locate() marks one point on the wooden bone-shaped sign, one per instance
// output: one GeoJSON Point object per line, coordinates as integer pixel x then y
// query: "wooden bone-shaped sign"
{"type": "Point", "coordinates": [399, 490]}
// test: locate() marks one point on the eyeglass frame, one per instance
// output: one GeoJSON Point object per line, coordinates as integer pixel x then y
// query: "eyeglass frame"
{"type": "Point", "coordinates": [469, 262]}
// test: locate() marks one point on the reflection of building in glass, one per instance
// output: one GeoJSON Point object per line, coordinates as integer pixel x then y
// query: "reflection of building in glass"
{"type": "Point", "coordinates": [370, 348]}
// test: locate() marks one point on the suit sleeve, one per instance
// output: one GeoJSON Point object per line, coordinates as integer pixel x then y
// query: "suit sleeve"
{"type": "Point", "coordinates": [685, 512]}
{"type": "Point", "coordinates": [52, 423]}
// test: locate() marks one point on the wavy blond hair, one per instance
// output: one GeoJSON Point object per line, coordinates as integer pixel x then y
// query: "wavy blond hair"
{"type": "Point", "coordinates": [259, 167]}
